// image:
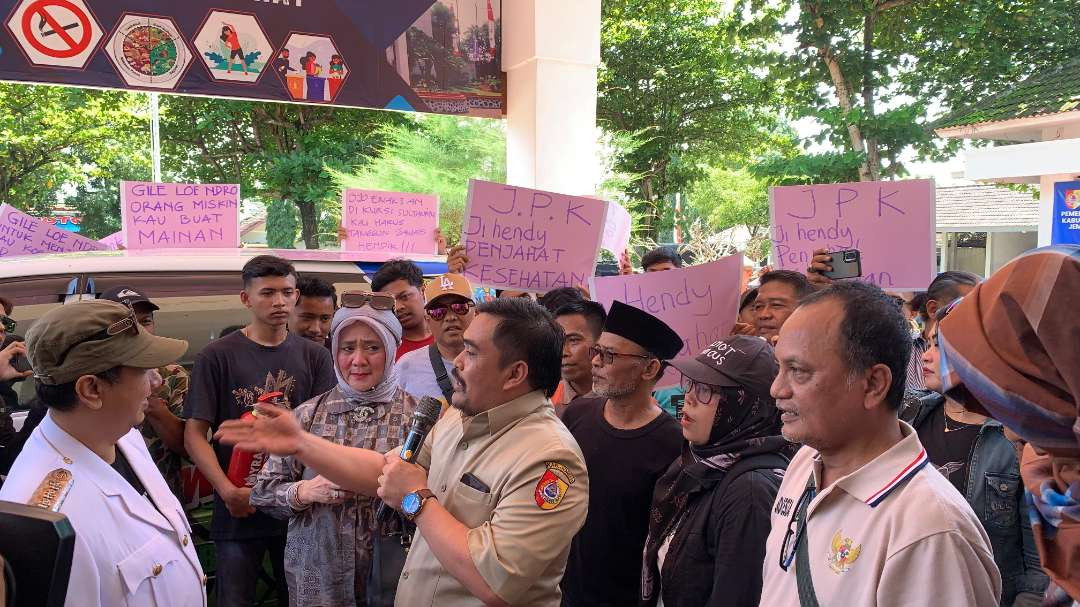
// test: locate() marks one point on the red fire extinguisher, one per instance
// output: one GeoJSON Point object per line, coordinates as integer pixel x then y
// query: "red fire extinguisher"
{"type": "Point", "coordinates": [244, 466]}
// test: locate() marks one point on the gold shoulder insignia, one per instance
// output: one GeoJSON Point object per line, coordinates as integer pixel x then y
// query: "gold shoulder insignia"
{"type": "Point", "coordinates": [53, 490]}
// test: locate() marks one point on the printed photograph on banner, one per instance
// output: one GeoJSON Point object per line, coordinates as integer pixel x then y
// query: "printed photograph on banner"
{"type": "Point", "coordinates": [233, 46]}
{"type": "Point", "coordinates": [400, 223]}
{"type": "Point", "coordinates": [890, 223]}
{"type": "Point", "coordinates": [149, 51]}
{"type": "Point", "coordinates": [530, 240]}
{"type": "Point", "coordinates": [452, 58]}
{"type": "Point", "coordinates": [179, 215]}
{"type": "Point", "coordinates": [311, 67]}
{"type": "Point", "coordinates": [55, 33]}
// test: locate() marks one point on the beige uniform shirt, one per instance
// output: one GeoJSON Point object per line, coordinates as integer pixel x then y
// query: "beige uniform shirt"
{"type": "Point", "coordinates": [520, 529]}
{"type": "Point", "coordinates": [894, 532]}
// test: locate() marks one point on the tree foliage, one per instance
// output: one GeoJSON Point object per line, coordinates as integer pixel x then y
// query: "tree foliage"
{"type": "Point", "coordinates": [436, 155]}
{"type": "Point", "coordinates": [876, 72]}
{"type": "Point", "coordinates": [275, 151]}
{"type": "Point", "coordinates": [52, 138]}
{"type": "Point", "coordinates": [683, 74]}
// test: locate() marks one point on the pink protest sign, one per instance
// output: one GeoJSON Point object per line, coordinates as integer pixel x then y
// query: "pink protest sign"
{"type": "Point", "coordinates": [699, 302]}
{"type": "Point", "coordinates": [113, 241]}
{"type": "Point", "coordinates": [179, 215]}
{"type": "Point", "coordinates": [891, 223]}
{"type": "Point", "coordinates": [390, 222]}
{"type": "Point", "coordinates": [22, 234]}
{"type": "Point", "coordinates": [617, 229]}
{"type": "Point", "coordinates": [530, 240]}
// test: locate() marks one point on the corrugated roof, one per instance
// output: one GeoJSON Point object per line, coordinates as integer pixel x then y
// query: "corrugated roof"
{"type": "Point", "coordinates": [1048, 92]}
{"type": "Point", "coordinates": [961, 208]}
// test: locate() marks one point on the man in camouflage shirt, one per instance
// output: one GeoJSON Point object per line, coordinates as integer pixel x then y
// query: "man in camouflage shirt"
{"type": "Point", "coordinates": [163, 429]}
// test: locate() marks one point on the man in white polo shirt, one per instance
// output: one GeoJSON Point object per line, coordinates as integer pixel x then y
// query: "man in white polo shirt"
{"type": "Point", "coordinates": [860, 519]}
{"type": "Point", "coordinates": [449, 311]}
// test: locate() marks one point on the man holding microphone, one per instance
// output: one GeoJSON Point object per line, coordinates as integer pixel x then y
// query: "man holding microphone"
{"type": "Point", "coordinates": [499, 487]}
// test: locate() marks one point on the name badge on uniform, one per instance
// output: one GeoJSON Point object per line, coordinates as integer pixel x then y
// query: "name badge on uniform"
{"type": "Point", "coordinates": [53, 490]}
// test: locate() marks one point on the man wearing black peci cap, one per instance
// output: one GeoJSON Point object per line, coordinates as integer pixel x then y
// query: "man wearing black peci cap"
{"type": "Point", "coordinates": [628, 442]}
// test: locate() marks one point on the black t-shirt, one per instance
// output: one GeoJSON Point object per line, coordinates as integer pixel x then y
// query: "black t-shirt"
{"type": "Point", "coordinates": [949, 451]}
{"type": "Point", "coordinates": [604, 565]}
{"type": "Point", "coordinates": [229, 376]}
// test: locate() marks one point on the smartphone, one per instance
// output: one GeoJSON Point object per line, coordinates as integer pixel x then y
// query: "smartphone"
{"type": "Point", "coordinates": [20, 363]}
{"type": "Point", "coordinates": [845, 264]}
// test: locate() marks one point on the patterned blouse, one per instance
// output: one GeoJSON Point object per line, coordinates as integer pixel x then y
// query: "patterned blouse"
{"type": "Point", "coordinates": [329, 546]}
{"type": "Point", "coordinates": [173, 389]}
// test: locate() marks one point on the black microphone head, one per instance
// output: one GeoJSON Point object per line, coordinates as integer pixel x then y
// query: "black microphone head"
{"type": "Point", "coordinates": [427, 413]}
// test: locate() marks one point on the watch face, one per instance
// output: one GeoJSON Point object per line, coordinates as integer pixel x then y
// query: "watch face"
{"type": "Point", "coordinates": [410, 504]}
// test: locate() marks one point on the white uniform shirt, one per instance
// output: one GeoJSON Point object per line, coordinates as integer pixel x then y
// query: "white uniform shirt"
{"type": "Point", "coordinates": [127, 552]}
{"type": "Point", "coordinates": [894, 532]}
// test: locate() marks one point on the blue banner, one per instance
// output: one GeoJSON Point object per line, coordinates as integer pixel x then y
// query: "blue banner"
{"type": "Point", "coordinates": [439, 56]}
{"type": "Point", "coordinates": [1065, 228]}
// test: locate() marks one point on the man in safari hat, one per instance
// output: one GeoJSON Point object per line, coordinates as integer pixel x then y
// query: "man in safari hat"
{"type": "Point", "coordinates": [94, 364]}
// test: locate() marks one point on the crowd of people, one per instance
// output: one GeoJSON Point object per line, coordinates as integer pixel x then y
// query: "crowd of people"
{"type": "Point", "coordinates": [843, 445]}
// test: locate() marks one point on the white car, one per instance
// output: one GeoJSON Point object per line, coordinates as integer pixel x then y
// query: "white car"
{"type": "Point", "coordinates": [198, 290]}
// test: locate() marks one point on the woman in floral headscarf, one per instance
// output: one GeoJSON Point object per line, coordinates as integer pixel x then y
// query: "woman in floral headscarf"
{"type": "Point", "coordinates": [331, 531]}
{"type": "Point", "coordinates": [1011, 350]}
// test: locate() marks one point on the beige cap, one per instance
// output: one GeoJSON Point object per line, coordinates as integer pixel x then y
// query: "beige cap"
{"type": "Point", "coordinates": [447, 284]}
{"type": "Point", "coordinates": [93, 336]}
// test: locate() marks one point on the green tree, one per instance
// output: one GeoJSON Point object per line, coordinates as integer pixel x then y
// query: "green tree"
{"type": "Point", "coordinates": [874, 71]}
{"type": "Point", "coordinates": [56, 138]}
{"type": "Point", "coordinates": [438, 155]}
{"type": "Point", "coordinates": [684, 74]}
{"type": "Point", "coordinates": [275, 151]}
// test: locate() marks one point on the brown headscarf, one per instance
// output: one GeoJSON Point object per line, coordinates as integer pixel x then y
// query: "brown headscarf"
{"type": "Point", "coordinates": [1011, 349]}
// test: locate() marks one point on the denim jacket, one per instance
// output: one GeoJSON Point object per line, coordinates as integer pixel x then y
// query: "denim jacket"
{"type": "Point", "coordinates": [996, 494]}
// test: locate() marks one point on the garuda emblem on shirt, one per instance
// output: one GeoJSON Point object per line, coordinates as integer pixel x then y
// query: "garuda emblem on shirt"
{"type": "Point", "coordinates": [842, 553]}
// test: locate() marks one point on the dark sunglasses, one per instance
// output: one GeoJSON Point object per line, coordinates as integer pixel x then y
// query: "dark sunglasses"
{"type": "Point", "coordinates": [127, 324]}
{"type": "Point", "coordinates": [9, 323]}
{"type": "Point", "coordinates": [359, 299]}
{"type": "Point", "coordinates": [796, 527]}
{"type": "Point", "coordinates": [702, 392]}
{"type": "Point", "coordinates": [459, 308]}
{"type": "Point", "coordinates": [607, 357]}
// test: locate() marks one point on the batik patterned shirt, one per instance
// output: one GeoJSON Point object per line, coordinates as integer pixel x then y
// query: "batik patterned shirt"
{"type": "Point", "coordinates": [329, 546]}
{"type": "Point", "coordinates": [172, 391]}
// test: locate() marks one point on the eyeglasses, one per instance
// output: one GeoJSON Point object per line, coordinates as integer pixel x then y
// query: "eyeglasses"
{"type": "Point", "coordinates": [607, 357]}
{"type": "Point", "coordinates": [459, 308]}
{"type": "Point", "coordinates": [703, 392]}
{"type": "Point", "coordinates": [8, 323]}
{"type": "Point", "coordinates": [127, 324]}
{"type": "Point", "coordinates": [359, 299]}
{"type": "Point", "coordinates": [798, 518]}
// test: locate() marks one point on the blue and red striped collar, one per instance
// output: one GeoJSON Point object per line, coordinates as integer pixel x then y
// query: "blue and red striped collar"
{"type": "Point", "coordinates": [877, 479]}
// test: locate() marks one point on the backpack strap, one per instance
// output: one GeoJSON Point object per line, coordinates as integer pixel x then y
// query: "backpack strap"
{"type": "Point", "coordinates": [440, 372]}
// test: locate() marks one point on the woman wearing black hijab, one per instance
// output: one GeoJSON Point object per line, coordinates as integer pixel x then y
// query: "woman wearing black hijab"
{"type": "Point", "coordinates": [711, 510]}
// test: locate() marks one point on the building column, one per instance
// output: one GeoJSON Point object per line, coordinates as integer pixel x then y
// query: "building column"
{"type": "Point", "coordinates": [551, 49]}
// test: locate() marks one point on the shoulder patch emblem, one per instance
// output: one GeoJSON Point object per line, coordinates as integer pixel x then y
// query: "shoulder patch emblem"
{"type": "Point", "coordinates": [552, 486]}
{"type": "Point", "coordinates": [842, 553]}
{"type": "Point", "coordinates": [53, 490]}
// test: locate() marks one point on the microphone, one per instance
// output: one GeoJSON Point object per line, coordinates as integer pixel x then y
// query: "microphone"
{"type": "Point", "coordinates": [425, 416]}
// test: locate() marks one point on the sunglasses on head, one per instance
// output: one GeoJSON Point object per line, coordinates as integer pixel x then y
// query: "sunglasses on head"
{"type": "Point", "coordinates": [459, 308]}
{"type": "Point", "coordinates": [8, 323]}
{"type": "Point", "coordinates": [359, 299]}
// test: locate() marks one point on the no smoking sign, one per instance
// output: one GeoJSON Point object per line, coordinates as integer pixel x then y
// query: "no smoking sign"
{"type": "Point", "coordinates": [57, 33]}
